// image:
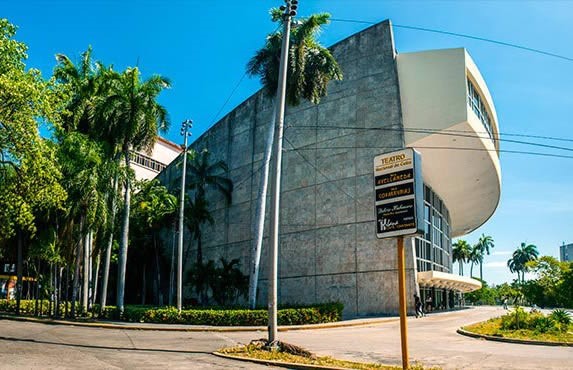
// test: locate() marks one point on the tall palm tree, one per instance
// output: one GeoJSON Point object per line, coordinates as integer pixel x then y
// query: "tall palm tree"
{"type": "Point", "coordinates": [484, 244]}
{"type": "Point", "coordinates": [135, 116]}
{"type": "Point", "coordinates": [201, 175]}
{"type": "Point", "coordinates": [461, 253]}
{"type": "Point", "coordinates": [475, 258]}
{"type": "Point", "coordinates": [310, 69]}
{"type": "Point", "coordinates": [518, 261]}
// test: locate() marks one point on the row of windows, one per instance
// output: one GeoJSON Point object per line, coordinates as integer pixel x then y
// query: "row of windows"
{"type": "Point", "coordinates": [434, 247]}
{"type": "Point", "coordinates": [475, 101]}
{"type": "Point", "coordinates": [147, 162]}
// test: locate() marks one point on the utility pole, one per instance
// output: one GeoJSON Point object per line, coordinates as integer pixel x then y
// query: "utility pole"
{"type": "Point", "coordinates": [289, 11]}
{"type": "Point", "coordinates": [186, 132]}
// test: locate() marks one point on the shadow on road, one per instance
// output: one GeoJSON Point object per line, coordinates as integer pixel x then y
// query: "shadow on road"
{"type": "Point", "coordinates": [11, 339]}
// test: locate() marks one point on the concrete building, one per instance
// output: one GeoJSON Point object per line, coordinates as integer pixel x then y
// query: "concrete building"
{"type": "Point", "coordinates": [566, 252]}
{"type": "Point", "coordinates": [434, 101]}
{"type": "Point", "coordinates": [148, 165]}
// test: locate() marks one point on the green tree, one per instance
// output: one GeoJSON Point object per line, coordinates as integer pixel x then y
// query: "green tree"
{"type": "Point", "coordinates": [476, 257]}
{"type": "Point", "coordinates": [134, 116]}
{"type": "Point", "coordinates": [461, 253]}
{"type": "Point", "coordinates": [523, 254]}
{"type": "Point", "coordinates": [202, 175]}
{"type": "Point", "coordinates": [29, 176]}
{"type": "Point", "coordinates": [484, 245]}
{"type": "Point", "coordinates": [311, 67]}
{"type": "Point", "coordinates": [153, 208]}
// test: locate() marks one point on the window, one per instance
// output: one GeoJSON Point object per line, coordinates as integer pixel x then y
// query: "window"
{"type": "Point", "coordinates": [475, 101]}
{"type": "Point", "coordinates": [434, 247]}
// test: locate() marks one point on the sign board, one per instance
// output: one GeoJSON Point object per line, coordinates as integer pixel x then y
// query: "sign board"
{"type": "Point", "coordinates": [399, 190]}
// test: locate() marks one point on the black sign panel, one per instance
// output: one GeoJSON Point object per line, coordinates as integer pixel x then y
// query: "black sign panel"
{"type": "Point", "coordinates": [393, 177]}
{"type": "Point", "coordinates": [395, 191]}
{"type": "Point", "coordinates": [395, 216]}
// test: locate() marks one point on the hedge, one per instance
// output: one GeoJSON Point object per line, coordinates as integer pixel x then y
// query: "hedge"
{"type": "Point", "coordinates": [328, 312]}
{"type": "Point", "coordinates": [27, 306]}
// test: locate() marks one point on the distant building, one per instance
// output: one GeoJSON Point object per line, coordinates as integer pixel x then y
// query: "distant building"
{"type": "Point", "coordinates": [566, 252]}
{"type": "Point", "coordinates": [148, 165]}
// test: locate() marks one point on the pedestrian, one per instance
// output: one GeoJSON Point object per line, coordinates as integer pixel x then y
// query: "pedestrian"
{"type": "Point", "coordinates": [505, 303]}
{"type": "Point", "coordinates": [418, 305]}
{"type": "Point", "coordinates": [429, 304]}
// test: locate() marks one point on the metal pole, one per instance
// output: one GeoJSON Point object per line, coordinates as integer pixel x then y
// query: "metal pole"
{"type": "Point", "coordinates": [402, 294]}
{"type": "Point", "coordinates": [289, 11]}
{"type": "Point", "coordinates": [185, 126]}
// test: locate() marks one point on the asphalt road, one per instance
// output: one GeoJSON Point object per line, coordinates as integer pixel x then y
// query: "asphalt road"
{"type": "Point", "coordinates": [432, 341]}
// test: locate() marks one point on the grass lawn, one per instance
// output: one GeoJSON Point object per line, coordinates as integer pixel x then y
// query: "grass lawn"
{"type": "Point", "coordinates": [493, 327]}
{"type": "Point", "coordinates": [293, 354]}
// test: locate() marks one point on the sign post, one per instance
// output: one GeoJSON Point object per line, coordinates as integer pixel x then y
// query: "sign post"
{"type": "Point", "coordinates": [399, 203]}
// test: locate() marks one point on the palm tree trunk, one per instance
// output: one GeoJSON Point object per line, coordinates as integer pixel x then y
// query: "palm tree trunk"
{"type": "Point", "coordinates": [95, 274]}
{"type": "Point", "coordinates": [259, 222]}
{"type": "Point", "coordinates": [86, 272]}
{"type": "Point", "coordinates": [76, 277]}
{"type": "Point", "coordinates": [481, 270]}
{"type": "Point", "coordinates": [158, 267]}
{"type": "Point", "coordinates": [472, 270]}
{"type": "Point", "coordinates": [461, 268]}
{"type": "Point", "coordinates": [103, 299]}
{"type": "Point", "coordinates": [199, 249]}
{"type": "Point", "coordinates": [122, 264]}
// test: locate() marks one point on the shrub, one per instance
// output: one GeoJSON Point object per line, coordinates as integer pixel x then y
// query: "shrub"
{"type": "Point", "coordinates": [541, 324]}
{"type": "Point", "coordinates": [561, 318]}
{"type": "Point", "coordinates": [518, 319]}
{"type": "Point", "coordinates": [322, 313]}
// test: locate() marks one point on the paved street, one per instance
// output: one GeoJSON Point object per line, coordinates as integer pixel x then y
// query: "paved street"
{"type": "Point", "coordinates": [432, 341]}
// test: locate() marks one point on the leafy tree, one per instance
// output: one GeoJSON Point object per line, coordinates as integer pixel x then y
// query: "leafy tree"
{"type": "Point", "coordinates": [461, 253]}
{"type": "Point", "coordinates": [523, 254]}
{"type": "Point", "coordinates": [484, 244]}
{"type": "Point", "coordinates": [311, 67]}
{"type": "Point", "coordinates": [134, 116]}
{"type": "Point", "coordinates": [29, 176]}
{"type": "Point", "coordinates": [545, 290]}
{"type": "Point", "coordinates": [153, 208]}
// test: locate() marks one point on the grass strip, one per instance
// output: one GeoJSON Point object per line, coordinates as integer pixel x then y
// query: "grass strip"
{"type": "Point", "coordinates": [291, 354]}
{"type": "Point", "coordinates": [492, 327]}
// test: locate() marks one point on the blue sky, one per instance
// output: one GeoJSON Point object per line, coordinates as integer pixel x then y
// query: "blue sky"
{"type": "Point", "coordinates": [203, 47]}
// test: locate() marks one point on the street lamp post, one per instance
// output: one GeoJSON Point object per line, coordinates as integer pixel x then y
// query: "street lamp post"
{"type": "Point", "coordinates": [186, 132]}
{"type": "Point", "coordinates": [289, 11]}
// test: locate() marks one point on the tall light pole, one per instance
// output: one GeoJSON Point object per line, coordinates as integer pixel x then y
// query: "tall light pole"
{"type": "Point", "coordinates": [186, 132]}
{"type": "Point", "coordinates": [289, 11]}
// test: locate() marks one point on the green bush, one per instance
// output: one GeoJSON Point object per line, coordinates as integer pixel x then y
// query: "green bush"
{"type": "Point", "coordinates": [561, 318]}
{"type": "Point", "coordinates": [329, 312]}
{"type": "Point", "coordinates": [518, 319]}
{"type": "Point", "coordinates": [27, 306]}
{"type": "Point", "coordinates": [541, 324]}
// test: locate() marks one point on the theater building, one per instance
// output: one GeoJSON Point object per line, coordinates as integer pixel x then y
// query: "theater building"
{"type": "Point", "coordinates": [434, 101]}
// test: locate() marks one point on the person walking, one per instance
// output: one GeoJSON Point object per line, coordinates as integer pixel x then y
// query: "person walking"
{"type": "Point", "coordinates": [505, 303]}
{"type": "Point", "coordinates": [418, 305]}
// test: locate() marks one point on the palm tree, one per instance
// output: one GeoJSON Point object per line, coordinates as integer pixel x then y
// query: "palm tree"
{"type": "Point", "coordinates": [484, 244]}
{"type": "Point", "coordinates": [310, 69]}
{"type": "Point", "coordinates": [475, 258]}
{"type": "Point", "coordinates": [518, 261]}
{"type": "Point", "coordinates": [203, 175]}
{"type": "Point", "coordinates": [154, 208]}
{"type": "Point", "coordinates": [135, 116]}
{"type": "Point", "coordinates": [461, 253]}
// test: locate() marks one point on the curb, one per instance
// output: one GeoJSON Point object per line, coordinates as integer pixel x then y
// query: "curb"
{"type": "Point", "coordinates": [192, 328]}
{"type": "Point", "coordinates": [513, 340]}
{"type": "Point", "coordinates": [288, 365]}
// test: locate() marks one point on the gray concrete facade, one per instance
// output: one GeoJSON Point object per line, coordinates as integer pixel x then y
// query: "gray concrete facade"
{"type": "Point", "coordinates": [328, 246]}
